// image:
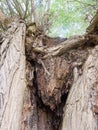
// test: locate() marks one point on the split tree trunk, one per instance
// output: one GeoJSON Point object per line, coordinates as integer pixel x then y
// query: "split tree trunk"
{"type": "Point", "coordinates": [61, 76]}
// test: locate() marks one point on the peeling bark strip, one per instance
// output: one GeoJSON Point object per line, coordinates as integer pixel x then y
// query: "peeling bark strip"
{"type": "Point", "coordinates": [12, 77]}
{"type": "Point", "coordinates": [81, 109]}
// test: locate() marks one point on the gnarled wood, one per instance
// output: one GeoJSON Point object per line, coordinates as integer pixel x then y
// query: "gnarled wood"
{"type": "Point", "coordinates": [49, 79]}
{"type": "Point", "coordinates": [60, 48]}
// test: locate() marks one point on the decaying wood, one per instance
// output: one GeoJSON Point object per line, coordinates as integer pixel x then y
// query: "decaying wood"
{"type": "Point", "coordinates": [52, 69]}
{"type": "Point", "coordinates": [52, 84]}
{"type": "Point", "coordinates": [37, 115]}
{"type": "Point", "coordinates": [57, 67]}
{"type": "Point", "coordinates": [52, 80]}
{"type": "Point", "coordinates": [12, 77]}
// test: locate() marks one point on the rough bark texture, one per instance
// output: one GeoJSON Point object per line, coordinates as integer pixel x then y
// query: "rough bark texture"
{"type": "Point", "coordinates": [53, 67]}
{"type": "Point", "coordinates": [12, 77]}
{"type": "Point", "coordinates": [81, 109]}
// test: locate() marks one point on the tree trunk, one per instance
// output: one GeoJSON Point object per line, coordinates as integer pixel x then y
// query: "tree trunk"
{"type": "Point", "coordinates": [81, 109]}
{"type": "Point", "coordinates": [12, 77]}
{"type": "Point", "coordinates": [60, 77]}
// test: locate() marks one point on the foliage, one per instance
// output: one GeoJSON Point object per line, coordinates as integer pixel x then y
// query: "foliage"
{"type": "Point", "coordinates": [56, 17]}
{"type": "Point", "coordinates": [72, 17]}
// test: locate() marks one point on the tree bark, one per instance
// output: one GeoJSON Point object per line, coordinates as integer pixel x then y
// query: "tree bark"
{"type": "Point", "coordinates": [12, 77]}
{"type": "Point", "coordinates": [59, 72]}
{"type": "Point", "coordinates": [81, 109]}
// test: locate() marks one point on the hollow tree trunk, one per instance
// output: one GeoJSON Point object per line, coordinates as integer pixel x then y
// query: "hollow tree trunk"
{"type": "Point", "coordinates": [12, 77]}
{"type": "Point", "coordinates": [59, 72]}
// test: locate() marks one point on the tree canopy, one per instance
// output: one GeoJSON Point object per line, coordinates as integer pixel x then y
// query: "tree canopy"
{"type": "Point", "coordinates": [56, 17]}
